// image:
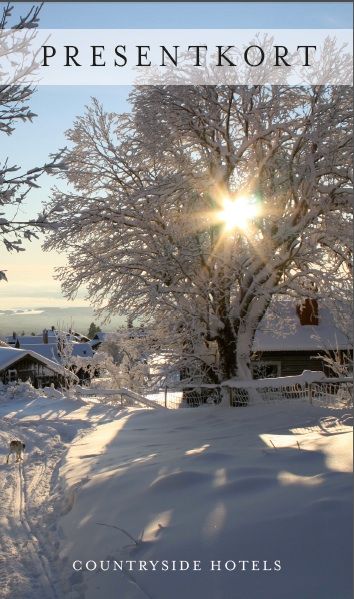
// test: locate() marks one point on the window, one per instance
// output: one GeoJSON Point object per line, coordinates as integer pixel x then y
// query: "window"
{"type": "Point", "coordinates": [11, 375]}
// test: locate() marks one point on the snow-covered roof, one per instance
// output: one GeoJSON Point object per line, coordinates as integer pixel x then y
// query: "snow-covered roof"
{"type": "Point", "coordinates": [50, 350]}
{"type": "Point", "coordinates": [280, 330]}
{"type": "Point", "coordinates": [31, 339]}
{"type": "Point", "coordinates": [83, 350]}
{"type": "Point", "coordinates": [100, 336]}
{"type": "Point", "coordinates": [11, 355]}
{"type": "Point", "coordinates": [52, 337]}
{"type": "Point", "coordinates": [75, 336]}
{"type": "Point", "coordinates": [47, 350]}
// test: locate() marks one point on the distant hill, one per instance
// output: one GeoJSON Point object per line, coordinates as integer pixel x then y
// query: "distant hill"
{"type": "Point", "coordinates": [35, 320]}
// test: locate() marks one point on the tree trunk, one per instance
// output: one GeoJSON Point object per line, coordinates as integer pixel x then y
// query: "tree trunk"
{"type": "Point", "coordinates": [235, 347]}
{"type": "Point", "coordinates": [243, 352]}
{"type": "Point", "coordinates": [227, 342]}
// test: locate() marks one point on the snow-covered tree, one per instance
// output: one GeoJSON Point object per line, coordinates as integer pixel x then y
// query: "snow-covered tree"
{"type": "Point", "coordinates": [15, 185]}
{"type": "Point", "coordinates": [202, 205]}
{"type": "Point", "coordinates": [128, 353]}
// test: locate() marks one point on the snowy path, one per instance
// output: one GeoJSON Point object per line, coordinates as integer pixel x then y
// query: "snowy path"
{"type": "Point", "coordinates": [29, 494]}
{"type": "Point", "coordinates": [24, 567]}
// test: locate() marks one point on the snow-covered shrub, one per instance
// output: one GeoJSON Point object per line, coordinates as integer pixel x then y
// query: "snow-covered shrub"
{"type": "Point", "coordinates": [52, 393]}
{"type": "Point", "coordinates": [20, 390]}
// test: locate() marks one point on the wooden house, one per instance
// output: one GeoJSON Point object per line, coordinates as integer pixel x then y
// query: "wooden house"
{"type": "Point", "coordinates": [23, 365]}
{"type": "Point", "coordinates": [292, 338]}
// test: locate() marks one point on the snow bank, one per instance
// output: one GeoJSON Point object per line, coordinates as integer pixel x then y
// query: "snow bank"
{"type": "Point", "coordinates": [19, 391]}
{"type": "Point", "coordinates": [263, 495]}
{"type": "Point", "coordinates": [307, 376]}
{"type": "Point", "coordinates": [25, 391]}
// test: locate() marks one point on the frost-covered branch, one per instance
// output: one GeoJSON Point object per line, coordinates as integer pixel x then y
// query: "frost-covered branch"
{"type": "Point", "coordinates": [16, 184]}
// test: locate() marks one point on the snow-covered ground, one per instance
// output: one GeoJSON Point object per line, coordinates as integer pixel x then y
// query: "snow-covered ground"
{"type": "Point", "coordinates": [245, 488]}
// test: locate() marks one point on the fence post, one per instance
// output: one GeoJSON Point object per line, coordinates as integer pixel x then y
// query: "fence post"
{"type": "Point", "coordinates": [310, 393]}
{"type": "Point", "coordinates": [166, 396]}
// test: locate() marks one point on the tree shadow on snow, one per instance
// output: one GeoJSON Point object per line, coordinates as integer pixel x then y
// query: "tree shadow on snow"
{"type": "Point", "coordinates": [202, 485]}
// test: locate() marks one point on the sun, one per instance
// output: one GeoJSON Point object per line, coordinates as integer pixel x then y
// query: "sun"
{"type": "Point", "coordinates": [238, 213]}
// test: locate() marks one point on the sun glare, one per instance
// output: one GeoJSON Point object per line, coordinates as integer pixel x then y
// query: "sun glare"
{"type": "Point", "coordinates": [238, 213]}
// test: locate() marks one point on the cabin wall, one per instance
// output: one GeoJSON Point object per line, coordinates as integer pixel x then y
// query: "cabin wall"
{"type": "Point", "coordinates": [293, 362]}
{"type": "Point", "coordinates": [30, 369]}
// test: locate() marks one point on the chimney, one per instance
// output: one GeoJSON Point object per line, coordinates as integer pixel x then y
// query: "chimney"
{"type": "Point", "coordinates": [45, 336]}
{"type": "Point", "coordinates": [307, 312]}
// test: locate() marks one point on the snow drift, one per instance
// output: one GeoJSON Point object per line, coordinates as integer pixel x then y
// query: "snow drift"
{"type": "Point", "coordinates": [240, 503]}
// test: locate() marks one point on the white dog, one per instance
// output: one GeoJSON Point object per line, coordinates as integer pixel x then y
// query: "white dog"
{"type": "Point", "coordinates": [16, 447]}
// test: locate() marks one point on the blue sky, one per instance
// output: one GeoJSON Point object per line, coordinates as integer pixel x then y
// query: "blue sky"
{"type": "Point", "coordinates": [57, 106]}
{"type": "Point", "coordinates": [193, 15]}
